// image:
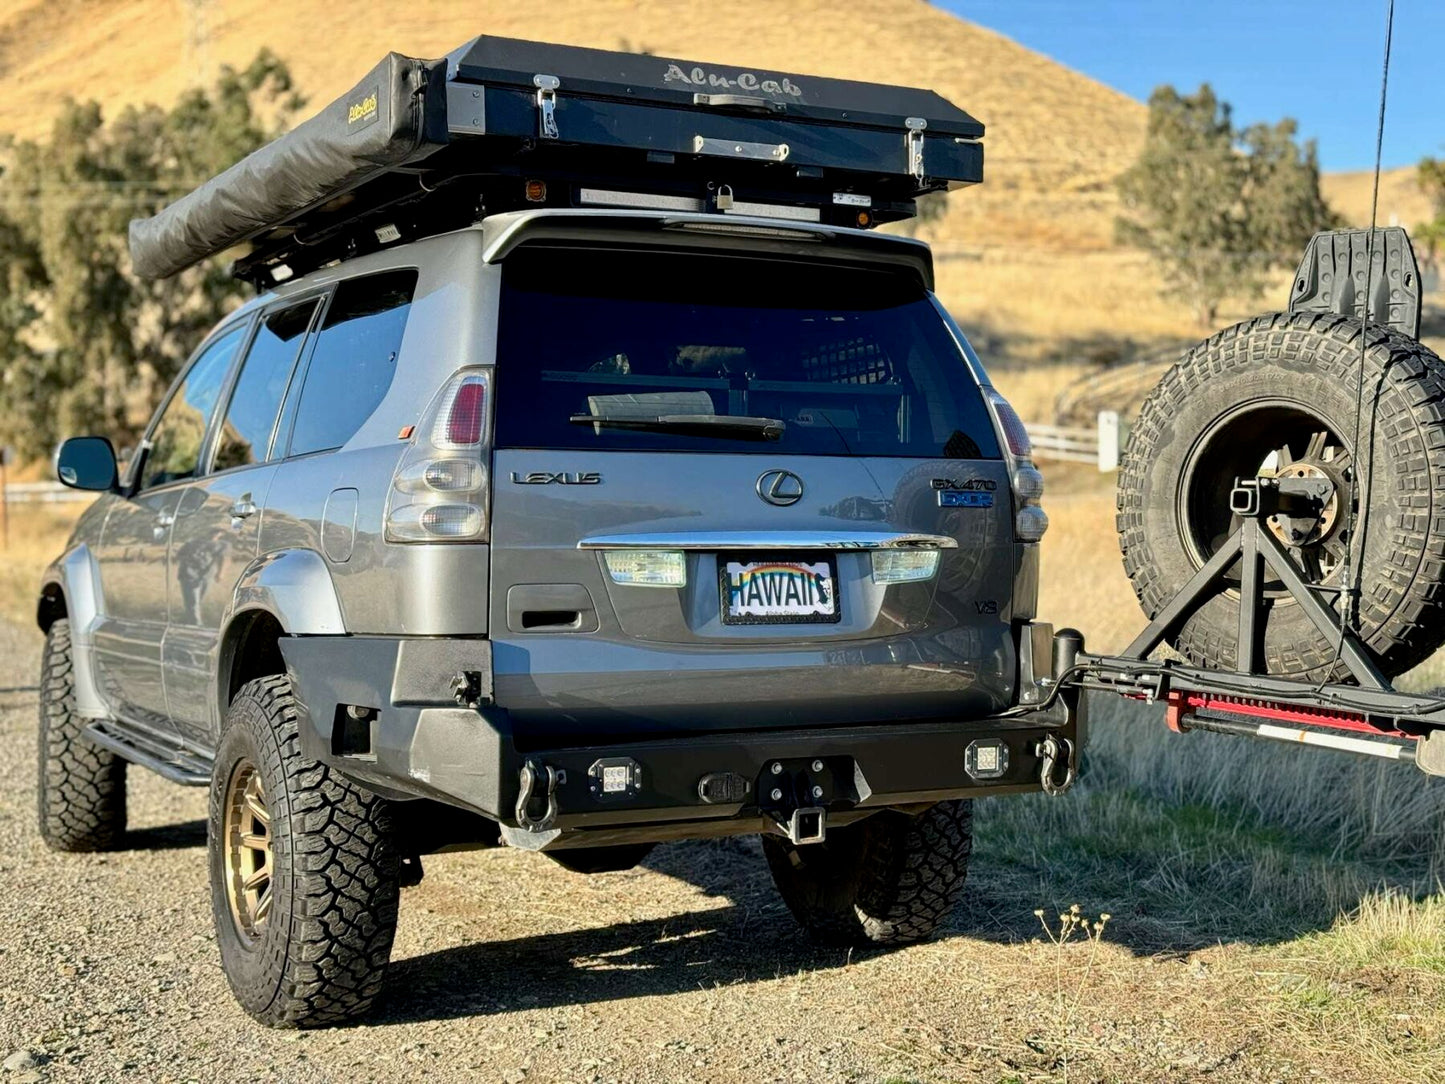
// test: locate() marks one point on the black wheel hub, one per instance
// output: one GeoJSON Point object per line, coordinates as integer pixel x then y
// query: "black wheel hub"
{"type": "Point", "coordinates": [1276, 439]}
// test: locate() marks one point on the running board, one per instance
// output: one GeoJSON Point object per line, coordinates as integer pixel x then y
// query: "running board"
{"type": "Point", "coordinates": [168, 759]}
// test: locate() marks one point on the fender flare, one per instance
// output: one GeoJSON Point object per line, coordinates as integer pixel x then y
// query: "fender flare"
{"type": "Point", "coordinates": [296, 588]}
{"type": "Point", "coordinates": [77, 576]}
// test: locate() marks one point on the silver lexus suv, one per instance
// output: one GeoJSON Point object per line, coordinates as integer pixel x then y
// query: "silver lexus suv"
{"type": "Point", "coordinates": [574, 531]}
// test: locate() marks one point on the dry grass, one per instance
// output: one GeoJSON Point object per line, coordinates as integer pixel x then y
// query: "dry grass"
{"type": "Point", "coordinates": [36, 537]}
{"type": "Point", "coordinates": [1402, 201]}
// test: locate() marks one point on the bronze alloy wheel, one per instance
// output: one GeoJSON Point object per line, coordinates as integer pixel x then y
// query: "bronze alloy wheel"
{"type": "Point", "coordinates": [248, 852]}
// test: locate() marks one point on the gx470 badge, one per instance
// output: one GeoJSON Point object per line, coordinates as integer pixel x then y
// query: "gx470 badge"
{"type": "Point", "coordinates": [968, 493]}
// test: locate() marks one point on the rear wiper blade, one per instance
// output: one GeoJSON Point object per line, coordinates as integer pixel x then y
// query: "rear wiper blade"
{"type": "Point", "coordinates": [703, 425]}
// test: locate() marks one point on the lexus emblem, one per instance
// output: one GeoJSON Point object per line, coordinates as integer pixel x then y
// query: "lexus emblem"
{"type": "Point", "coordinates": [780, 487]}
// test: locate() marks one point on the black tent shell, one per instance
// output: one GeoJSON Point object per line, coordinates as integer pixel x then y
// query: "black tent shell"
{"type": "Point", "coordinates": [423, 145]}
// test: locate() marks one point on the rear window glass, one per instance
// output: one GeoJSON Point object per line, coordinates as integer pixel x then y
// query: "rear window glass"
{"type": "Point", "coordinates": [642, 351]}
{"type": "Point", "coordinates": [354, 360]}
{"type": "Point", "coordinates": [246, 432]}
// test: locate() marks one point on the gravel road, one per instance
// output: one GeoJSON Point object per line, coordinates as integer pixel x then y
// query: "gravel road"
{"type": "Point", "coordinates": [510, 968]}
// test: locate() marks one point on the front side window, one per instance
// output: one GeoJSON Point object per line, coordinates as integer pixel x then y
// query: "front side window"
{"type": "Point", "coordinates": [245, 435]}
{"type": "Point", "coordinates": [675, 351]}
{"type": "Point", "coordinates": [354, 359]}
{"type": "Point", "coordinates": [176, 439]}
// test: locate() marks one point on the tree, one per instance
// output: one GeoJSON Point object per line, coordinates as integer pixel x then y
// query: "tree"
{"type": "Point", "coordinates": [86, 346]}
{"type": "Point", "coordinates": [1431, 235]}
{"type": "Point", "coordinates": [1217, 207]}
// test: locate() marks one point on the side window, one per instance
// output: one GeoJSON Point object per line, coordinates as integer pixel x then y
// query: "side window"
{"type": "Point", "coordinates": [353, 361]}
{"type": "Point", "coordinates": [177, 437]}
{"type": "Point", "coordinates": [246, 432]}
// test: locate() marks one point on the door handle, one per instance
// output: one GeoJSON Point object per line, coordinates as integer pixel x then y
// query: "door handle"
{"type": "Point", "coordinates": [163, 523]}
{"type": "Point", "coordinates": [243, 508]}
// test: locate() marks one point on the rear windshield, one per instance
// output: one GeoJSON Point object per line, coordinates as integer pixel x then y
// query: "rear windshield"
{"type": "Point", "coordinates": [852, 360]}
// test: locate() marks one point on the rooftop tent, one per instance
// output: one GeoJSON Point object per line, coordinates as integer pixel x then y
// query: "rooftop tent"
{"type": "Point", "coordinates": [419, 146]}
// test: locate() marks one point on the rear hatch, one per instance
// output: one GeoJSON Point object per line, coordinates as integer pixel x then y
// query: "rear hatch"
{"type": "Point", "coordinates": [737, 491]}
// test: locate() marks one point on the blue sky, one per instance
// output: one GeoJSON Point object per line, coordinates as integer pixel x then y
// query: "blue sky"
{"type": "Point", "coordinates": [1315, 60]}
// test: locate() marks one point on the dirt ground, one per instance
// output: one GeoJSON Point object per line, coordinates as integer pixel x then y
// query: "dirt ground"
{"type": "Point", "coordinates": [509, 968]}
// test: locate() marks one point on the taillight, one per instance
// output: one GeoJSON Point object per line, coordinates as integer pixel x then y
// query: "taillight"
{"type": "Point", "coordinates": [1030, 522]}
{"type": "Point", "coordinates": [1014, 433]}
{"type": "Point", "coordinates": [439, 490]}
{"type": "Point", "coordinates": [466, 411]}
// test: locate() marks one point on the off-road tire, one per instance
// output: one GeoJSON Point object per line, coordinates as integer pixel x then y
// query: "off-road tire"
{"type": "Point", "coordinates": [1313, 360]}
{"type": "Point", "coordinates": [889, 879]}
{"type": "Point", "coordinates": [321, 957]}
{"type": "Point", "coordinates": [81, 788]}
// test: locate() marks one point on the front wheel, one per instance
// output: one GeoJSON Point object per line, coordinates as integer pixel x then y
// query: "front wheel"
{"type": "Point", "coordinates": [889, 879]}
{"type": "Point", "coordinates": [304, 872]}
{"type": "Point", "coordinates": [81, 795]}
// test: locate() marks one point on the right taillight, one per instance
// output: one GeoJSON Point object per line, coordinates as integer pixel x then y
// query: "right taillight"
{"type": "Point", "coordinates": [439, 490]}
{"type": "Point", "coordinates": [1030, 522]}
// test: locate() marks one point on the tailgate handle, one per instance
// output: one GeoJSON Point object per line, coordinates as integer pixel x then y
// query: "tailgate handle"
{"type": "Point", "coordinates": [550, 607]}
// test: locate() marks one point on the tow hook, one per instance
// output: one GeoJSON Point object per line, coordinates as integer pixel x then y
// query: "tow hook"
{"type": "Point", "coordinates": [1051, 751]}
{"type": "Point", "coordinates": [528, 778]}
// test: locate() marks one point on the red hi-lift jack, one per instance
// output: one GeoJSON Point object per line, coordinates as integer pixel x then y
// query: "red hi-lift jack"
{"type": "Point", "coordinates": [1369, 718]}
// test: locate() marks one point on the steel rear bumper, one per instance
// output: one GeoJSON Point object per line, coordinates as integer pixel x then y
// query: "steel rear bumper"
{"type": "Point", "coordinates": [360, 713]}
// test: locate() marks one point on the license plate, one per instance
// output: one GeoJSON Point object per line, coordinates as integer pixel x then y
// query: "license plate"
{"type": "Point", "coordinates": [778, 592]}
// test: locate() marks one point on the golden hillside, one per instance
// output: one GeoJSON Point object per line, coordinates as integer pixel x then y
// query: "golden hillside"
{"type": "Point", "coordinates": [1402, 202]}
{"type": "Point", "coordinates": [1054, 137]}
{"type": "Point", "coordinates": [1030, 251]}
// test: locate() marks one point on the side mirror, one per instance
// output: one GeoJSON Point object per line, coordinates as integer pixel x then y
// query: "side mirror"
{"type": "Point", "coordinates": [87, 463]}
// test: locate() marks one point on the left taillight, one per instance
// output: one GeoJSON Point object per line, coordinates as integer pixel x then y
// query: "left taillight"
{"type": "Point", "coordinates": [440, 489]}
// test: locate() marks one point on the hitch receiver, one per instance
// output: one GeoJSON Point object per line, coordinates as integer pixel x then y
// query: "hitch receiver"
{"type": "Point", "coordinates": [808, 825]}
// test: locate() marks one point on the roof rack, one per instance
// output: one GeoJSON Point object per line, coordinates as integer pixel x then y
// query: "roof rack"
{"type": "Point", "coordinates": [424, 146]}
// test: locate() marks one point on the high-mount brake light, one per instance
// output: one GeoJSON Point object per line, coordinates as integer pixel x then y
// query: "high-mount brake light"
{"type": "Point", "coordinates": [440, 488]}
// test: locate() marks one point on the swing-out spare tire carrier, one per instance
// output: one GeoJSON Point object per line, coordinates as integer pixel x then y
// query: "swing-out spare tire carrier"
{"type": "Point", "coordinates": [1280, 515]}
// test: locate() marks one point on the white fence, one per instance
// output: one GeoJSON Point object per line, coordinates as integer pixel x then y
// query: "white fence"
{"type": "Point", "coordinates": [1079, 444]}
{"type": "Point", "coordinates": [43, 493]}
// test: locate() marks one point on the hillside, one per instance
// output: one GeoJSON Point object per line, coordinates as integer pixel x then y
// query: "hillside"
{"type": "Point", "coordinates": [1402, 203]}
{"type": "Point", "coordinates": [1054, 136]}
{"type": "Point", "coordinates": [1027, 258]}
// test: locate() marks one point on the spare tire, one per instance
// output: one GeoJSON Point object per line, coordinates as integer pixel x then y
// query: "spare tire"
{"type": "Point", "coordinates": [1277, 394]}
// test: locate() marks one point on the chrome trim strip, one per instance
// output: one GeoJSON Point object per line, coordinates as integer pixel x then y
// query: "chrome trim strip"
{"type": "Point", "coordinates": [770, 540]}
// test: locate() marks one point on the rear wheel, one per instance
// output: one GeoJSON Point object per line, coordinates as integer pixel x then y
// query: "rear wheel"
{"type": "Point", "coordinates": [1277, 396]}
{"type": "Point", "coordinates": [304, 872]}
{"type": "Point", "coordinates": [889, 879]}
{"type": "Point", "coordinates": [81, 793]}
